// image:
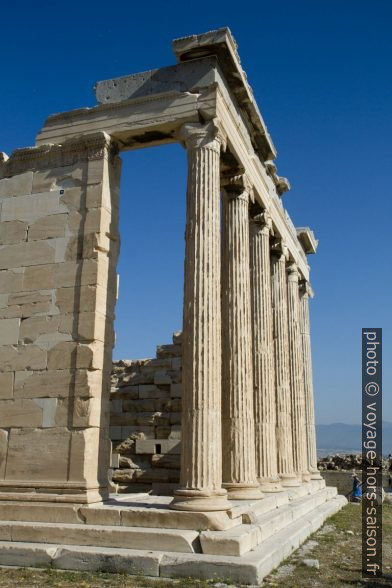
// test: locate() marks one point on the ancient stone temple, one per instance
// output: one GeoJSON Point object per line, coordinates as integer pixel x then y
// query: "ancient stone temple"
{"type": "Point", "coordinates": [230, 404]}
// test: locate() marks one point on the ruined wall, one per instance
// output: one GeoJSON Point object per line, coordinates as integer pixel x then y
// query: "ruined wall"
{"type": "Point", "coordinates": [58, 250]}
{"type": "Point", "coordinates": [146, 421]}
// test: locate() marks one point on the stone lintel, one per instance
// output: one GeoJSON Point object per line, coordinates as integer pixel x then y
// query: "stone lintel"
{"type": "Point", "coordinates": [307, 239]}
{"type": "Point", "coordinates": [183, 77]}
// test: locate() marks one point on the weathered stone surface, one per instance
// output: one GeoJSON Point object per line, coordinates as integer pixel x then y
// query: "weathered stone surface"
{"type": "Point", "coordinates": [12, 232]}
{"type": "Point", "coordinates": [20, 413]}
{"type": "Point", "coordinates": [75, 356]}
{"type": "Point", "coordinates": [6, 385]}
{"type": "Point", "coordinates": [22, 358]}
{"type": "Point", "coordinates": [3, 452]}
{"type": "Point", "coordinates": [11, 281]}
{"type": "Point", "coordinates": [48, 227]}
{"type": "Point", "coordinates": [33, 444]}
{"type": "Point", "coordinates": [9, 331]}
{"type": "Point", "coordinates": [57, 383]}
{"type": "Point", "coordinates": [32, 207]}
{"type": "Point", "coordinates": [22, 254]}
{"type": "Point", "coordinates": [107, 560]}
{"type": "Point", "coordinates": [59, 178]}
{"type": "Point", "coordinates": [17, 185]}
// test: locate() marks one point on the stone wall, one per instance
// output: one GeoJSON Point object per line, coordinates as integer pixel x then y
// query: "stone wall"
{"type": "Point", "coordinates": [145, 421]}
{"type": "Point", "coordinates": [58, 252]}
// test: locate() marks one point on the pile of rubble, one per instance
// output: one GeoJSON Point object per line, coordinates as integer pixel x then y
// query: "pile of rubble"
{"type": "Point", "coordinates": [345, 462]}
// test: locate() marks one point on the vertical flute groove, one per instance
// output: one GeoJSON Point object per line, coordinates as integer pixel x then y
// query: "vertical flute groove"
{"type": "Point", "coordinates": [239, 460]}
{"type": "Point", "coordinates": [263, 352]}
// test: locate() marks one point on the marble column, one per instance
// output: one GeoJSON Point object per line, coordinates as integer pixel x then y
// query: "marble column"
{"type": "Point", "coordinates": [263, 354]}
{"type": "Point", "coordinates": [284, 435]}
{"type": "Point", "coordinates": [300, 461]}
{"type": "Point", "coordinates": [305, 293]}
{"type": "Point", "coordinates": [201, 452]}
{"type": "Point", "coordinates": [238, 432]}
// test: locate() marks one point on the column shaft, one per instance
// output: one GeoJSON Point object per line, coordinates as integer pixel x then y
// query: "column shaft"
{"type": "Point", "coordinates": [282, 370]}
{"type": "Point", "coordinates": [308, 382]}
{"type": "Point", "coordinates": [239, 461]}
{"type": "Point", "coordinates": [201, 462]}
{"type": "Point", "coordinates": [263, 355]}
{"type": "Point", "coordinates": [296, 377]}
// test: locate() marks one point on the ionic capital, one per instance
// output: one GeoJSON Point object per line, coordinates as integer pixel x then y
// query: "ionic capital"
{"type": "Point", "coordinates": [237, 185]}
{"type": "Point", "coordinates": [306, 289]}
{"type": "Point", "coordinates": [280, 249]}
{"type": "Point", "coordinates": [198, 135]}
{"type": "Point", "coordinates": [293, 273]}
{"type": "Point", "coordinates": [264, 222]}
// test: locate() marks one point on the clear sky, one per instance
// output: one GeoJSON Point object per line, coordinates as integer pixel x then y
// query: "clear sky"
{"type": "Point", "coordinates": [321, 73]}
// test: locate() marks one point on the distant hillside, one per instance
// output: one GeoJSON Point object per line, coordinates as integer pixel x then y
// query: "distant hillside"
{"type": "Point", "coordinates": [339, 437]}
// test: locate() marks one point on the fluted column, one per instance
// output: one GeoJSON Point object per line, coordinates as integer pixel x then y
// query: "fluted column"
{"type": "Point", "coordinates": [263, 355]}
{"type": "Point", "coordinates": [239, 461]}
{"type": "Point", "coordinates": [297, 377]}
{"type": "Point", "coordinates": [305, 292]}
{"type": "Point", "coordinates": [201, 451]}
{"type": "Point", "coordinates": [282, 367]}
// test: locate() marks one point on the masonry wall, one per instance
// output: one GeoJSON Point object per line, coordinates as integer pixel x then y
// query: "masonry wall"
{"type": "Point", "coordinates": [145, 421]}
{"type": "Point", "coordinates": [58, 250]}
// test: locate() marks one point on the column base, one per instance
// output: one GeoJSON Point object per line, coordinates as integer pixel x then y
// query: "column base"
{"type": "Point", "coordinates": [200, 501]}
{"type": "Point", "coordinates": [315, 475]}
{"type": "Point", "coordinates": [290, 481]}
{"type": "Point", "coordinates": [243, 491]}
{"type": "Point", "coordinates": [270, 485]}
{"type": "Point", "coordinates": [304, 476]}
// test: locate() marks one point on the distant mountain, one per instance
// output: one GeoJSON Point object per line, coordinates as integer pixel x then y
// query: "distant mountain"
{"type": "Point", "coordinates": [343, 438]}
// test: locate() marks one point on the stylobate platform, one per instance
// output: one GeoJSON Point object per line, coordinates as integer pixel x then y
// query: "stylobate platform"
{"type": "Point", "coordinates": [139, 534]}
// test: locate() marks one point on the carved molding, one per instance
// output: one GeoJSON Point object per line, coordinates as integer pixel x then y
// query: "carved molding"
{"type": "Point", "coordinates": [282, 184]}
{"type": "Point", "coordinates": [82, 149]}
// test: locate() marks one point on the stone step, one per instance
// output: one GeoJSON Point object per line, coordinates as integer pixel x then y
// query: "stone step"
{"type": "Point", "coordinates": [130, 510]}
{"type": "Point", "coordinates": [246, 537]}
{"type": "Point", "coordinates": [251, 568]}
{"type": "Point", "coordinates": [179, 540]}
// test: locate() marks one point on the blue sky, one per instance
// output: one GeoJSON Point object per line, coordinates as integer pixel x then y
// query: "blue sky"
{"type": "Point", "coordinates": [321, 74]}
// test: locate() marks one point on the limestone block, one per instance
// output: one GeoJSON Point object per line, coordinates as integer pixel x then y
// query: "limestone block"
{"type": "Point", "coordinates": [17, 185]}
{"type": "Point", "coordinates": [3, 452]}
{"type": "Point", "coordinates": [176, 390]}
{"type": "Point", "coordinates": [39, 277]}
{"type": "Point", "coordinates": [58, 383]}
{"type": "Point", "coordinates": [25, 254]}
{"type": "Point", "coordinates": [34, 297]}
{"type": "Point", "coordinates": [86, 412]}
{"type": "Point", "coordinates": [95, 220]}
{"type": "Point", "coordinates": [150, 391]}
{"type": "Point", "coordinates": [9, 331]}
{"type": "Point", "coordinates": [12, 232]}
{"type": "Point", "coordinates": [6, 385]}
{"type": "Point", "coordinates": [73, 355]}
{"type": "Point", "coordinates": [175, 432]}
{"type": "Point", "coordinates": [27, 310]}
{"type": "Point", "coordinates": [107, 560]}
{"type": "Point", "coordinates": [22, 358]}
{"type": "Point", "coordinates": [86, 326]}
{"type": "Point", "coordinates": [115, 433]}
{"type": "Point", "coordinates": [59, 178]}
{"type": "Point", "coordinates": [32, 207]}
{"type": "Point", "coordinates": [5, 532]}
{"type": "Point", "coordinates": [90, 457]}
{"type": "Point", "coordinates": [162, 432]}
{"type": "Point", "coordinates": [20, 413]}
{"type": "Point", "coordinates": [151, 446]}
{"type": "Point", "coordinates": [161, 378]}
{"type": "Point", "coordinates": [82, 299]}
{"type": "Point", "coordinates": [48, 227]}
{"type": "Point", "coordinates": [31, 328]}
{"type": "Point", "coordinates": [167, 461]}
{"type": "Point", "coordinates": [11, 281]}
{"type": "Point", "coordinates": [45, 454]}
{"type": "Point", "coordinates": [67, 274]}
{"type": "Point", "coordinates": [176, 363]}
{"type": "Point", "coordinates": [123, 419]}
{"type": "Point", "coordinates": [148, 432]}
